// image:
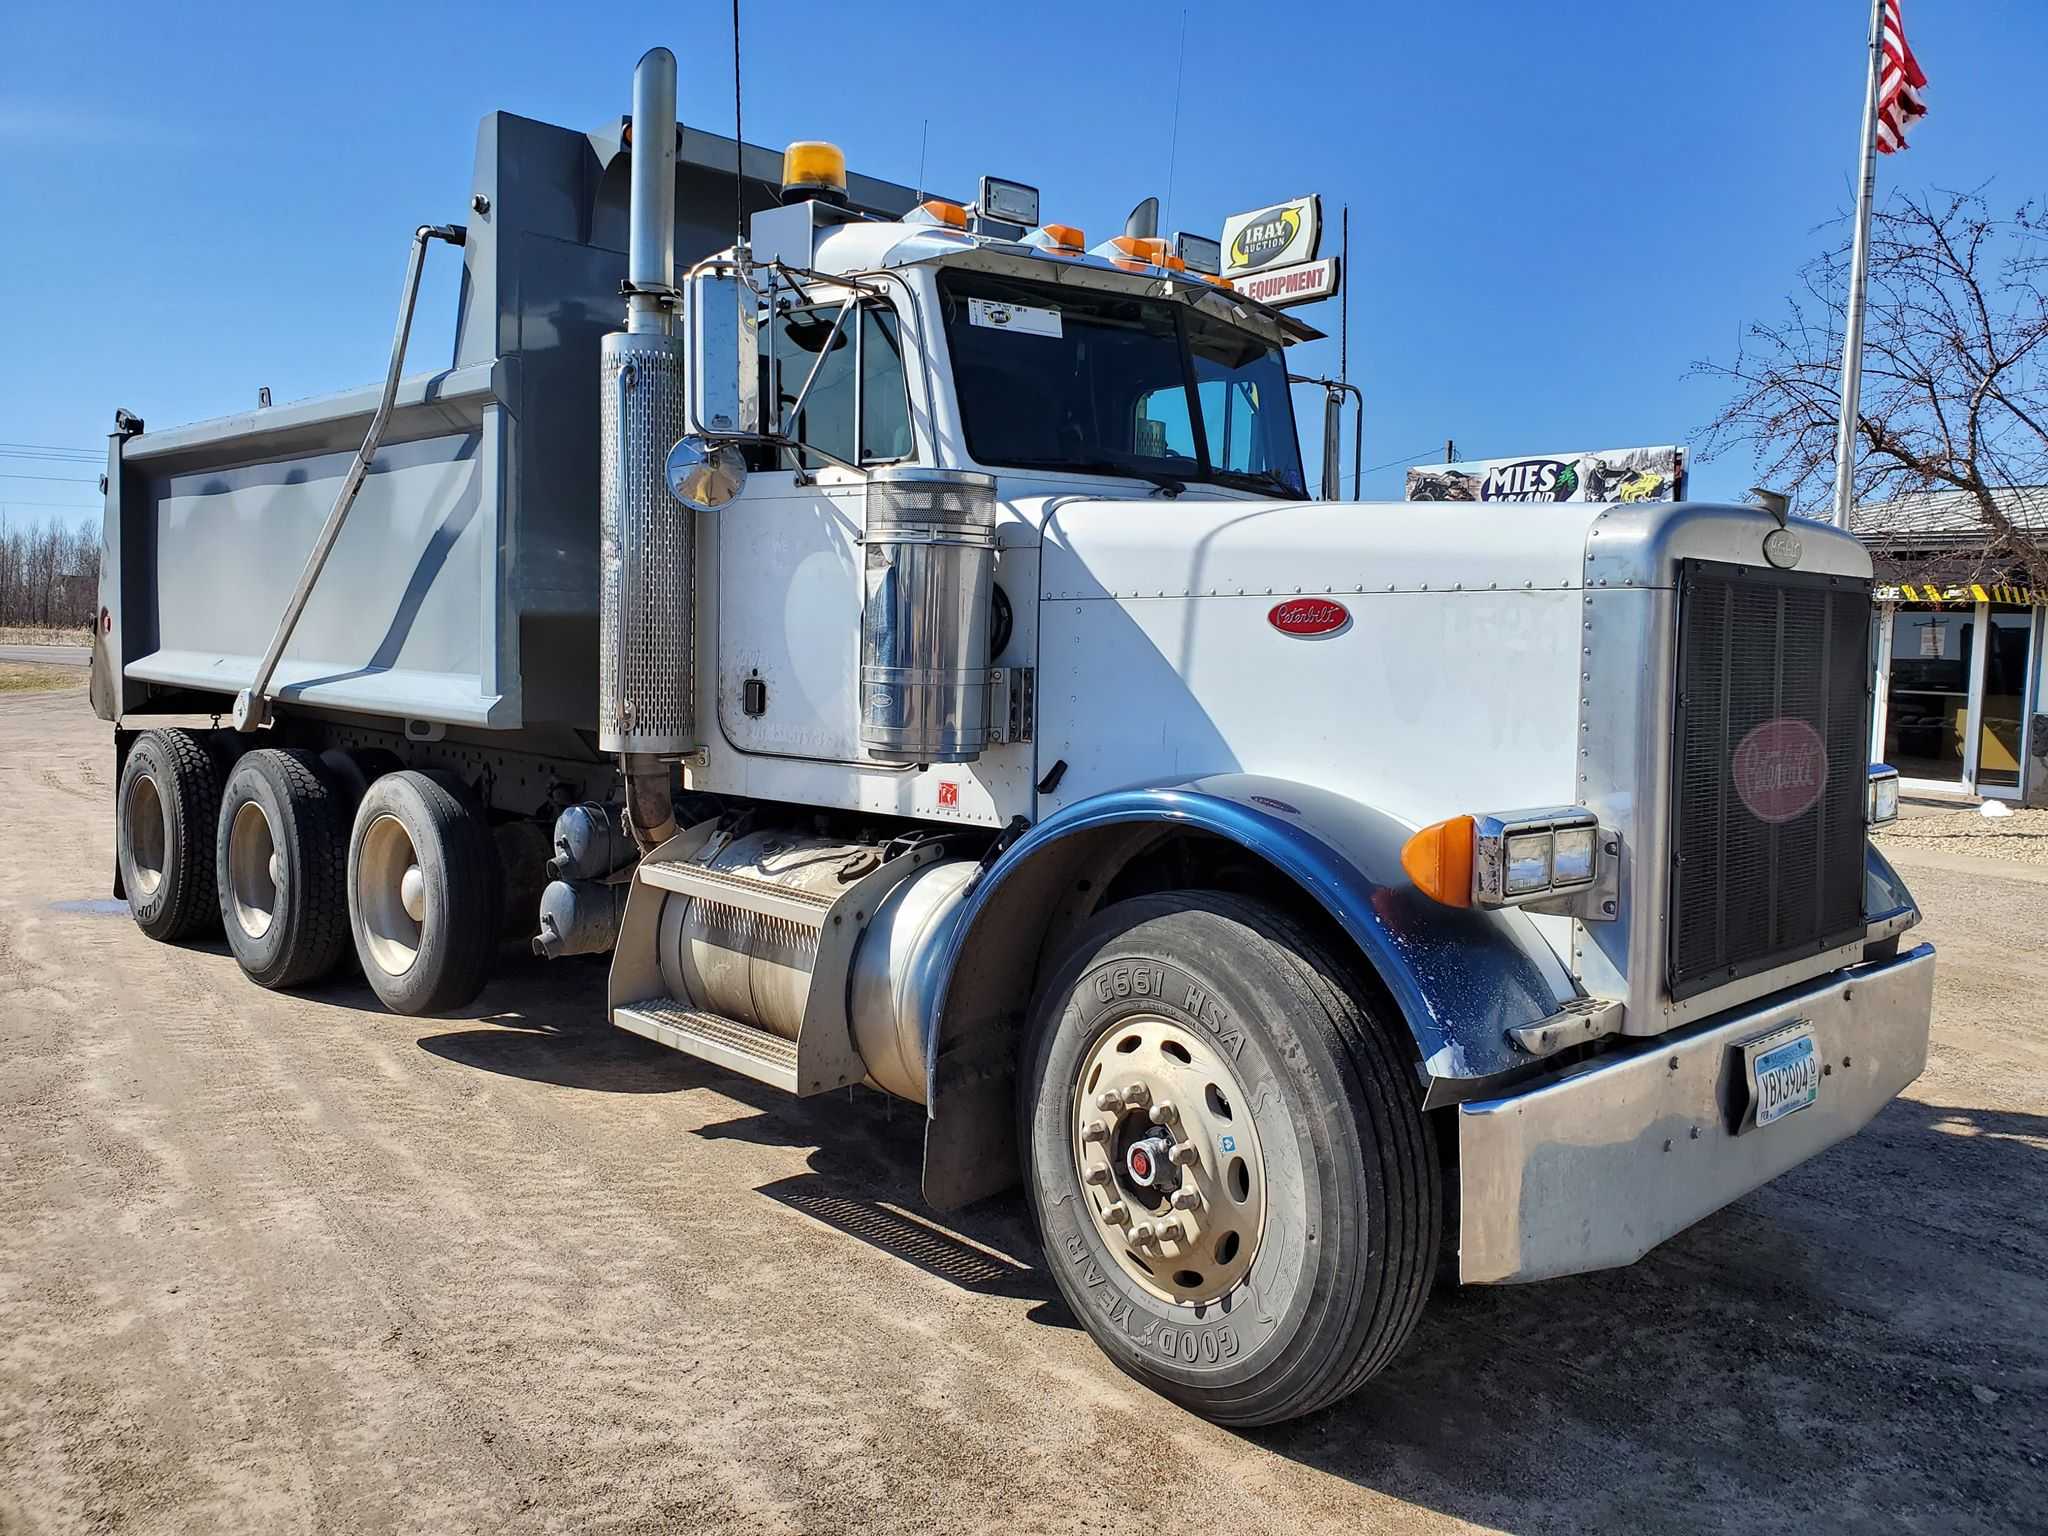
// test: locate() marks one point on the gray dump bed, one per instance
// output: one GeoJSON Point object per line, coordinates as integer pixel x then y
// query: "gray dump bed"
{"type": "Point", "coordinates": [463, 589]}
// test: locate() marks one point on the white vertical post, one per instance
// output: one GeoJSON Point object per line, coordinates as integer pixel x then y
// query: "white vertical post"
{"type": "Point", "coordinates": [1859, 271]}
{"type": "Point", "coordinates": [1881, 684]}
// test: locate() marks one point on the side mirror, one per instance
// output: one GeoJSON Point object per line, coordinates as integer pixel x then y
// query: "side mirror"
{"type": "Point", "coordinates": [706, 476]}
{"type": "Point", "coordinates": [723, 378]}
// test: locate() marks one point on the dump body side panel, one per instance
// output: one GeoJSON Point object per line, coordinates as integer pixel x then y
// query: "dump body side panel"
{"type": "Point", "coordinates": [464, 586]}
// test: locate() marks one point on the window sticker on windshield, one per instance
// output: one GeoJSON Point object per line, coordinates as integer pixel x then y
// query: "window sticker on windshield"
{"type": "Point", "coordinates": [1013, 317]}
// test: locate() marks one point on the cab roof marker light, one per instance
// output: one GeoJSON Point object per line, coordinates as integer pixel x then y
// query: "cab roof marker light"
{"type": "Point", "coordinates": [1058, 240]}
{"type": "Point", "coordinates": [935, 210]}
{"type": "Point", "coordinates": [1138, 253]}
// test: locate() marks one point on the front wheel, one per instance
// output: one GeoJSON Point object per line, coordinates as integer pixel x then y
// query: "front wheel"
{"type": "Point", "coordinates": [1235, 1188]}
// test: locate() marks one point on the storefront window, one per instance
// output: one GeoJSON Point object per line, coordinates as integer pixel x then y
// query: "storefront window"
{"type": "Point", "coordinates": [2005, 686]}
{"type": "Point", "coordinates": [1928, 715]}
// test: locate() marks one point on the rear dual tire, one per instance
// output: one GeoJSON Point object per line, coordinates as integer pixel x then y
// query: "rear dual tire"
{"type": "Point", "coordinates": [279, 868]}
{"type": "Point", "coordinates": [1303, 1262]}
{"type": "Point", "coordinates": [165, 813]}
{"type": "Point", "coordinates": [423, 892]}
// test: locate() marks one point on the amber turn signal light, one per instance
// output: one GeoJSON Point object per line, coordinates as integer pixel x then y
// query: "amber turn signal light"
{"type": "Point", "coordinates": [1439, 860]}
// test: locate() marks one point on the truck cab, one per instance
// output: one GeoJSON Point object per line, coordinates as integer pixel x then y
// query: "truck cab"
{"type": "Point", "coordinates": [936, 676]}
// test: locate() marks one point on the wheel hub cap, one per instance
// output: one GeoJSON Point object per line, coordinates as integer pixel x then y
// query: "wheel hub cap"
{"type": "Point", "coordinates": [412, 893]}
{"type": "Point", "coordinates": [390, 896]}
{"type": "Point", "coordinates": [1169, 1159]}
{"type": "Point", "coordinates": [148, 834]}
{"type": "Point", "coordinates": [255, 870]}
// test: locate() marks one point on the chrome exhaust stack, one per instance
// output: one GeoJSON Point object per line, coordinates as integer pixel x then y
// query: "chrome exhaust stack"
{"type": "Point", "coordinates": [646, 673]}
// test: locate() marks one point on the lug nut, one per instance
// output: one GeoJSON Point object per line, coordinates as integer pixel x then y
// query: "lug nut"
{"type": "Point", "coordinates": [1137, 1096]}
{"type": "Point", "coordinates": [1168, 1231]}
{"type": "Point", "coordinates": [1165, 1113]}
{"type": "Point", "coordinates": [1099, 1174]}
{"type": "Point", "coordinates": [1109, 1101]}
{"type": "Point", "coordinates": [1117, 1215]}
{"type": "Point", "coordinates": [1093, 1132]}
{"type": "Point", "coordinates": [1142, 1236]}
{"type": "Point", "coordinates": [1187, 1200]}
{"type": "Point", "coordinates": [1184, 1155]}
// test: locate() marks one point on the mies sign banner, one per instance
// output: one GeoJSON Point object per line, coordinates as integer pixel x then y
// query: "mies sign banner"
{"type": "Point", "coordinates": [1612, 474]}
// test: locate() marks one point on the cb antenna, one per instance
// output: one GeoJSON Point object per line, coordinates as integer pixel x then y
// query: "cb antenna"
{"type": "Point", "coordinates": [1173, 138]}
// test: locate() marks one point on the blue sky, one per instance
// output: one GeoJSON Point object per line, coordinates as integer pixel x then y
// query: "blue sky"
{"type": "Point", "coordinates": [1555, 207]}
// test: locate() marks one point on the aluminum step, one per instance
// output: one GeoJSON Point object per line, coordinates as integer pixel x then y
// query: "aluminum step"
{"type": "Point", "coordinates": [726, 1042]}
{"type": "Point", "coordinates": [808, 909]}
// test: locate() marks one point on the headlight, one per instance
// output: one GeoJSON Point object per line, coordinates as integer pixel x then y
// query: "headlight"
{"type": "Point", "coordinates": [1884, 794]}
{"type": "Point", "coordinates": [1528, 863]}
{"type": "Point", "coordinates": [1506, 859]}
{"type": "Point", "coordinates": [1571, 859]}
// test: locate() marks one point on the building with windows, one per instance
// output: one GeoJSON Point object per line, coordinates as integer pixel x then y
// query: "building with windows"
{"type": "Point", "coordinates": [1961, 701]}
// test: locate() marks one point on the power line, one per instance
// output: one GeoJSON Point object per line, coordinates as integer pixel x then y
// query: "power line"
{"type": "Point", "coordinates": [6, 474]}
{"type": "Point", "coordinates": [51, 448]}
{"type": "Point", "coordinates": [1404, 459]}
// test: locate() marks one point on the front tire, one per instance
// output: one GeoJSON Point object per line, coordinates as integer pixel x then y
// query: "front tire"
{"type": "Point", "coordinates": [423, 892]}
{"type": "Point", "coordinates": [1262, 1244]}
{"type": "Point", "coordinates": [279, 864]}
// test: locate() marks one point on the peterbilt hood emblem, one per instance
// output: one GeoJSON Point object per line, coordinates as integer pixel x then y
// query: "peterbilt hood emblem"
{"type": "Point", "coordinates": [1309, 616]}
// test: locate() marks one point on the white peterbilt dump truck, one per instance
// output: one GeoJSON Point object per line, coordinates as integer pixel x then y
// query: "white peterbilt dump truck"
{"type": "Point", "coordinates": [903, 639]}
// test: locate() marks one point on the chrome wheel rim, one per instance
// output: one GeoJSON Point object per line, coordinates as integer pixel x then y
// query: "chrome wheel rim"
{"type": "Point", "coordinates": [391, 895]}
{"type": "Point", "coordinates": [1169, 1160]}
{"type": "Point", "coordinates": [255, 870]}
{"type": "Point", "coordinates": [149, 835]}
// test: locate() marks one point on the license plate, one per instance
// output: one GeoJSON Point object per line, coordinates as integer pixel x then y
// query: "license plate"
{"type": "Point", "coordinates": [1784, 1075]}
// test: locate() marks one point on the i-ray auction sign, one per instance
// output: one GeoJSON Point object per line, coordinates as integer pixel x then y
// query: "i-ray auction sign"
{"type": "Point", "coordinates": [1269, 254]}
{"type": "Point", "coordinates": [1612, 474]}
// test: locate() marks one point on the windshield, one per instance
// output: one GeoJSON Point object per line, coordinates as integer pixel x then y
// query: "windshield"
{"type": "Point", "coordinates": [1063, 377]}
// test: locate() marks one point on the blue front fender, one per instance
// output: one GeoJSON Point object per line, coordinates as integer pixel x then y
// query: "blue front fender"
{"type": "Point", "coordinates": [1461, 978]}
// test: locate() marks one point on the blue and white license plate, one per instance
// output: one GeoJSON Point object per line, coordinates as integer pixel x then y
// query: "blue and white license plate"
{"type": "Point", "coordinates": [1785, 1077]}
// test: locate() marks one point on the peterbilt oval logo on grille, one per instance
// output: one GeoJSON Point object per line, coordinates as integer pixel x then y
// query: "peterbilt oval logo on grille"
{"type": "Point", "coordinates": [1780, 769]}
{"type": "Point", "coordinates": [1309, 616]}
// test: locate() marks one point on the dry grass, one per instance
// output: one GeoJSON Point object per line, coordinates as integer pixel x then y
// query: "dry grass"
{"type": "Point", "coordinates": [44, 634]}
{"type": "Point", "coordinates": [21, 677]}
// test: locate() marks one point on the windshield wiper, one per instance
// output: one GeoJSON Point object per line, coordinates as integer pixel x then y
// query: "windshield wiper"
{"type": "Point", "coordinates": [1166, 484]}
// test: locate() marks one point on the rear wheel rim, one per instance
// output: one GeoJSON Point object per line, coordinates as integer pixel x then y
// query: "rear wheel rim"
{"type": "Point", "coordinates": [149, 834]}
{"type": "Point", "coordinates": [1156, 1101]}
{"type": "Point", "coordinates": [391, 895]}
{"type": "Point", "coordinates": [255, 870]}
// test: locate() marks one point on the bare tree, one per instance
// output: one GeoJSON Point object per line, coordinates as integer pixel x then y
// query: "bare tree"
{"type": "Point", "coordinates": [49, 576]}
{"type": "Point", "coordinates": [1955, 390]}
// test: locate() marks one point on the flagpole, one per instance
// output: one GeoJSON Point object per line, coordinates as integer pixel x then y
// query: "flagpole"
{"type": "Point", "coordinates": [1859, 273]}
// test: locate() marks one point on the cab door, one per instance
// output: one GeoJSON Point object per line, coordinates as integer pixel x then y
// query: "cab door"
{"type": "Point", "coordinates": [789, 564]}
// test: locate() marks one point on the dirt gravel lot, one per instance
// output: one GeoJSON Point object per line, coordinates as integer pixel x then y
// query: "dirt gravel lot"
{"type": "Point", "coordinates": [289, 1263]}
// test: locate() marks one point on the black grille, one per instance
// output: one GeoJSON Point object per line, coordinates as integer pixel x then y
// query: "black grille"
{"type": "Point", "coordinates": [1767, 847]}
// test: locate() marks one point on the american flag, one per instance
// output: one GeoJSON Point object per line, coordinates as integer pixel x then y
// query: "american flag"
{"type": "Point", "coordinates": [1899, 84]}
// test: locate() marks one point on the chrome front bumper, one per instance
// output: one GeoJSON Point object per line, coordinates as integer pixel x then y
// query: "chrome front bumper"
{"type": "Point", "coordinates": [1595, 1168]}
